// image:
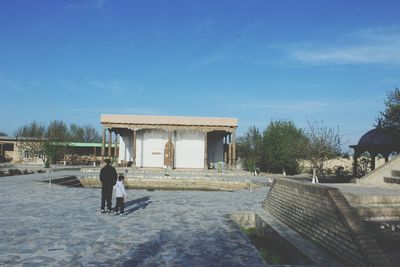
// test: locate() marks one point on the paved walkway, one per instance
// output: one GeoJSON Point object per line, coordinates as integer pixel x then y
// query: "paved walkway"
{"type": "Point", "coordinates": [63, 227]}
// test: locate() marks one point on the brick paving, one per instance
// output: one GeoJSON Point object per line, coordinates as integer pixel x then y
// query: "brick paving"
{"type": "Point", "coordinates": [61, 226]}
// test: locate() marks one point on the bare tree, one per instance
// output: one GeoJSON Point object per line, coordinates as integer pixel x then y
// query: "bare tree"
{"type": "Point", "coordinates": [323, 143]}
{"type": "Point", "coordinates": [43, 143]}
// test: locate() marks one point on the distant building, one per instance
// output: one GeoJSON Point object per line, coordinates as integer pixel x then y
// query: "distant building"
{"type": "Point", "coordinates": [170, 141]}
{"type": "Point", "coordinates": [77, 153]}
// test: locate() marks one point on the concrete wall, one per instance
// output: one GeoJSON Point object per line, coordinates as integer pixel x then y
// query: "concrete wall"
{"type": "Point", "coordinates": [125, 148]}
{"type": "Point", "coordinates": [189, 149]}
{"type": "Point", "coordinates": [385, 170]}
{"type": "Point", "coordinates": [322, 214]}
{"type": "Point", "coordinates": [152, 148]}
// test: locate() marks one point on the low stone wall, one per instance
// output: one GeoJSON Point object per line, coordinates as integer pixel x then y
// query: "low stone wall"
{"type": "Point", "coordinates": [323, 215]}
{"type": "Point", "coordinates": [177, 184]}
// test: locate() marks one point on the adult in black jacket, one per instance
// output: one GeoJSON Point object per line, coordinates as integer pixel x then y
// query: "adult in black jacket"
{"type": "Point", "coordinates": [108, 177]}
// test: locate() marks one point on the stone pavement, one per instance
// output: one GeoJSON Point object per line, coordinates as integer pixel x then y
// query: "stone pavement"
{"type": "Point", "coordinates": [62, 226]}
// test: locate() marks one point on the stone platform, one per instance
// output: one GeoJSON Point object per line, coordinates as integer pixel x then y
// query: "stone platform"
{"type": "Point", "coordinates": [182, 179]}
{"type": "Point", "coordinates": [62, 226]}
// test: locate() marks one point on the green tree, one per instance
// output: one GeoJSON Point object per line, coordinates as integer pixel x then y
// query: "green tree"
{"type": "Point", "coordinates": [249, 148]}
{"type": "Point", "coordinates": [3, 134]}
{"type": "Point", "coordinates": [323, 143]}
{"type": "Point", "coordinates": [390, 118]}
{"type": "Point", "coordinates": [283, 145]}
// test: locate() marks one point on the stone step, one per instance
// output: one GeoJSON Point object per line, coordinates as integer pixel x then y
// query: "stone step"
{"type": "Point", "coordinates": [391, 180]}
{"type": "Point", "coordinates": [170, 172]}
{"type": "Point", "coordinates": [379, 211]}
{"type": "Point", "coordinates": [363, 200]}
{"type": "Point", "coordinates": [395, 173]}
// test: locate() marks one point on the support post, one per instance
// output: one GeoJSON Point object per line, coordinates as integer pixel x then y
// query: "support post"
{"type": "Point", "coordinates": [1, 151]}
{"type": "Point", "coordinates": [103, 143]}
{"type": "Point", "coordinates": [134, 148]}
{"type": "Point", "coordinates": [205, 151]}
{"type": "Point", "coordinates": [171, 160]}
{"type": "Point", "coordinates": [225, 150]}
{"type": "Point", "coordinates": [234, 150]}
{"type": "Point", "coordinates": [355, 163]}
{"type": "Point", "coordinates": [109, 143]}
{"type": "Point", "coordinates": [230, 151]}
{"type": "Point", "coordinates": [373, 156]}
{"type": "Point", "coordinates": [115, 145]}
{"type": "Point", "coordinates": [386, 158]}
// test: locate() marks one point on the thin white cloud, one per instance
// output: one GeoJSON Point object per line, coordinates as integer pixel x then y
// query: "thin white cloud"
{"type": "Point", "coordinates": [115, 110]}
{"type": "Point", "coordinates": [371, 46]}
{"type": "Point", "coordinates": [93, 4]}
{"type": "Point", "coordinates": [207, 61]}
{"type": "Point", "coordinates": [304, 106]}
{"type": "Point", "coordinates": [115, 87]}
{"type": "Point", "coordinates": [15, 86]}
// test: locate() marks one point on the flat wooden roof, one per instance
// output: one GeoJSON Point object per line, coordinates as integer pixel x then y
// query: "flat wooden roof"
{"type": "Point", "coordinates": [168, 120]}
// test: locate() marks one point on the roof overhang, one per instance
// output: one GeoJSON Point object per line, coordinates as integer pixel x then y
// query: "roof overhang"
{"type": "Point", "coordinates": [134, 122]}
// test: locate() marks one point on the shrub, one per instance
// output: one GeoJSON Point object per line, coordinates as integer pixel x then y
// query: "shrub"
{"type": "Point", "coordinates": [340, 171]}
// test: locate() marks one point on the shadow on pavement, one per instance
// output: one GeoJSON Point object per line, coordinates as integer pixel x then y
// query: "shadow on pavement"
{"type": "Point", "coordinates": [134, 205]}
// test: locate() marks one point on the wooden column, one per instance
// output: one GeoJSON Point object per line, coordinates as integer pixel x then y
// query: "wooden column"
{"type": "Point", "coordinates": [103, 143]}
{"type": "Point", "coordinates": [225, 150]}
{"type": "Point", "coordinates": [205, 151]}
{"type": "Point", "coordinates": [133, 145]}
{"type": "Point", "coordinates": [109, 142]}
{"type": "Point", "coordinates": [230, 152]}
{"type": "Point", "coordinates": [171, 164]}
{"type": "Point", "coordinates": [115, 145]}
{"type": "Point", "coordinates": [234, 150]}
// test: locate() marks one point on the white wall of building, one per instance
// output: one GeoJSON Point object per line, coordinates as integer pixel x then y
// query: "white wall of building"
{"type": "Point", "coordinates": [125, 148]}
{"type": "Point", "coordinates": [152, 147]}
{"type": "Point", "coordinates": [189, 149]}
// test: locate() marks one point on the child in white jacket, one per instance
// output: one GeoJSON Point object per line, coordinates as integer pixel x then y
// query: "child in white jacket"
{"type": "Point", "coordinates": [120, 194]}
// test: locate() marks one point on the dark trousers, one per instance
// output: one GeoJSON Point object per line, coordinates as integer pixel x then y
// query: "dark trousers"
{"type": "Point", "coordinates": [106, 195]}
{"type": "Point", "coordinates": [120, 205]}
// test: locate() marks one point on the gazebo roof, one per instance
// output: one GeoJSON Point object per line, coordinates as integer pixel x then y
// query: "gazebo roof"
{"type": "Point", "coordinates": [378, 141]}
{"type": "Point", "coordinates": [379, 137]}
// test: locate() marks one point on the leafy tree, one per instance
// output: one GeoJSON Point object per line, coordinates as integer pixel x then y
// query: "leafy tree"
{"type": "Point", "coordinates": [323, 143]}
{"type": "Point", "coordinates": [390, 118]}
{"type": "Point", "coordinates": [3, 134]}
{"type": "Point", "coordinates": [249, 148]}
{"type": "Point", "coordinates": [283, 146]}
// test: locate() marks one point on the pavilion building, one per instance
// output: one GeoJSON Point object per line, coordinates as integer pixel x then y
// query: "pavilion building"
{"type": "Point", "coordinates": [170, 141]}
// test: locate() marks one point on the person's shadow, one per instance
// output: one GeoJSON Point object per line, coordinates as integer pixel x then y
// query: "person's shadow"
{"type": "Point", "coordinates": [134, 205]}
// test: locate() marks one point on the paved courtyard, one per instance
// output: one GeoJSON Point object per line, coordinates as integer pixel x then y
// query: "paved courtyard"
{"type": "Point", "coordinates": [62, 226]}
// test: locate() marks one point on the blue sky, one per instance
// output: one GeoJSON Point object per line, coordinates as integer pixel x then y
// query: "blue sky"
{"type": "Point", "coordinates": [254, 60]}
